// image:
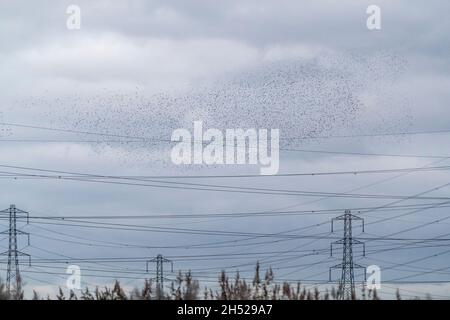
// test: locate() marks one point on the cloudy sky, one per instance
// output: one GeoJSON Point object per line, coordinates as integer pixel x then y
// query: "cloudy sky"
{"type": "Point", "coordinates": [104, 100]}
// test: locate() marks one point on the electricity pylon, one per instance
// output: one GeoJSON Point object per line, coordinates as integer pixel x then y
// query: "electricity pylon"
{"type": "Point", "coordinates": [346, 288]}
{"type": "Point", "coordinates": [13, 279]}
{"type": "Point", "coordinates": [160, 260]}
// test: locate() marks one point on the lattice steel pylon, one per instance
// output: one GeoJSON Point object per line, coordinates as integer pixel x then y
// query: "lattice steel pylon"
{"type": "Point", "coordinates": [160, 260]}
{"type": "Point", "coordinates": [346, 288]}
{"type": "Point", "coordinates": [13, 278]}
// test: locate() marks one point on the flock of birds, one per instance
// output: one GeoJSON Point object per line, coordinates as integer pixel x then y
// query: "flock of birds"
{"type": "Point", "coordinates": [302, 98]}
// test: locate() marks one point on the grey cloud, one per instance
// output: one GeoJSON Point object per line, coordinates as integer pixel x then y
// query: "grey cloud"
{"type": "Point", "coordinates": [146, 67]}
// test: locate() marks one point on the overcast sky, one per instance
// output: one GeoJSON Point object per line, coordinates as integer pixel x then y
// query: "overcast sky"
{"type": "Point", "coordinates": [144, 68]}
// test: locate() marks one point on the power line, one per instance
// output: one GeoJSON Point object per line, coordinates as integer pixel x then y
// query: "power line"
{"type": "Point", "coordinates": [381, 134]}
{"type": "Point", "coordinates": [146, 177]}
{"type": "Point", "coordinates": [237, 189]}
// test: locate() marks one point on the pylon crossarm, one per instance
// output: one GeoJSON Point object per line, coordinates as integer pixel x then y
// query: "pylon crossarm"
{"type": "Point", "coordinates": [24, 234]}
{"type": "Point", "coordinates": [338, 266]}
{"type": "Point", "coordinates": [358, 266]}
{"type": "Point", "coordinates": [21, 211]}
{"type": "Point", "coordinates": [355, 241]}
{"type": "Point", "coordinates": [334, 243]}
{"type": "Point", "coordinates": [347, 215]}
{"type": "Point", "coordinates": [25, 255]}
